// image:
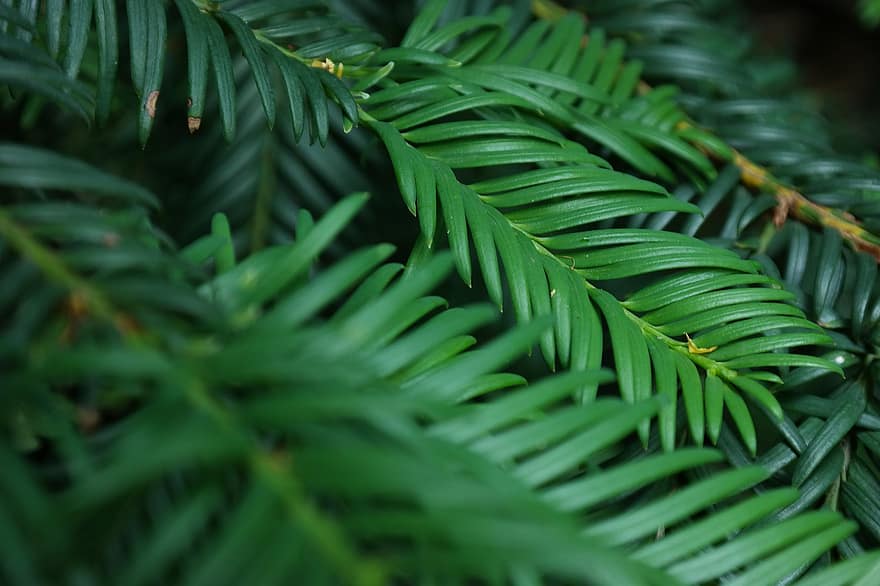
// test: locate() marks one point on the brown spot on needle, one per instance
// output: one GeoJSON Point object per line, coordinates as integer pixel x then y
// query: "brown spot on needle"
{"type": "Point", "coordinates": [151, 103]}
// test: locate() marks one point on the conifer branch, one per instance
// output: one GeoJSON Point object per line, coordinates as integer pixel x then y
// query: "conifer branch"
{"type": "Point", "coordinates": [790, 201]}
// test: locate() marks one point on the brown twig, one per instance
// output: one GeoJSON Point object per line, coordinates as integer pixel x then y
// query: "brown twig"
{"type": "Point", "coordinates": [790, 202]}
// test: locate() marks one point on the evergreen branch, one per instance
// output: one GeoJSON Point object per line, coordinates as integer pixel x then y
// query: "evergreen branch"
{"type": "Point", "coordinates": [789, 200]}
{"type": "Point", "coordinates": [792, 202]}
{"type": "Point", "coordinates": [527, 218]}
{"type": "Point", "coordinates": [295, 420]}
{"type": "Point", "coordinates": [830, 431]}
{"type": "Point", "coordinates": [527, 239]}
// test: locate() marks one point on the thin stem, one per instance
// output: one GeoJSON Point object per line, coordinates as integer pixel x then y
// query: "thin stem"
{"type": "Point", "coordinates": [275, 471]}
{"type": "Point", "coordinates": [791, 202]}
{"type": "Point", "coordinates": [647, 329]}
{"type": "Point", "coordinates": [326, 64]}
{"type": "Point", "coordinates": [84, 293]}
{"type": "Point", "coordinates": [650, 331]}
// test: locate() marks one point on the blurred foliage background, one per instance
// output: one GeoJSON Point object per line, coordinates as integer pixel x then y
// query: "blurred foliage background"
{"type": "Point", "coordinates": [465, 292]}
{"type": "Point", "coordinates": [833, 43]}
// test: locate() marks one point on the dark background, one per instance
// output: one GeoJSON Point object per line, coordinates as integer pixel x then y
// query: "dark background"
{"type": "Point", "coordinates": [838, 57]}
